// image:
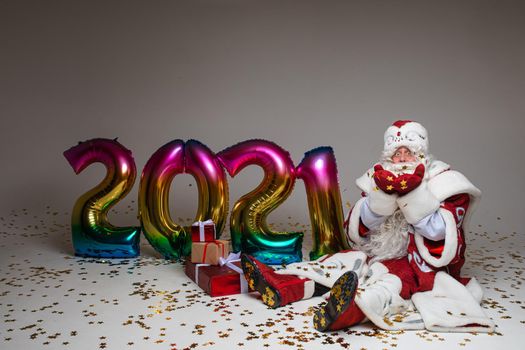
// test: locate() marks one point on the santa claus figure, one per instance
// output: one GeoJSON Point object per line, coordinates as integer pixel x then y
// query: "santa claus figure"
{"type": "Point", "coordinates": [408, 235]}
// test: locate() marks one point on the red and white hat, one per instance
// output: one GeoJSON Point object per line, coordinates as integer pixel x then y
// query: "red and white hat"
{"type": "Point", "coordinates": [406, 133]}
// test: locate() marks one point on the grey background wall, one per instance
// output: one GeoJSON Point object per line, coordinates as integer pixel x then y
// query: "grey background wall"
{"type": "Point", "coordinates": [299, 73]}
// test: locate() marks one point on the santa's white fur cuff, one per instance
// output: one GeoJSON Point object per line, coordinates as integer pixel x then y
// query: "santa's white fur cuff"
{"type": "Point", "coordinates": [418, 203]}
{"type": "Point", "coordinates": [382, 203]}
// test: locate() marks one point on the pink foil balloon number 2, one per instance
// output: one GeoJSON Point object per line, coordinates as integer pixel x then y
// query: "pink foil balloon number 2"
{"type": "Point", "coordinates": [248, 227]}
{"type": "Point", "coordinates": [93, 235]}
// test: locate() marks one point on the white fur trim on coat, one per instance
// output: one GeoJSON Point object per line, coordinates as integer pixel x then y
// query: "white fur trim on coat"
{"type": "Point", "coordinates": [450, 246]}
{"type": "Point", "coordinates": [353, 222]}
{"type": "Point", "coordinates": [443, 186]}
{"type": "Point", "coordinates": [436, 167]}
{"type": "Point", "coordinates": [327, 269]}
{"type": "Point", "coordinates": [378, 298]}
{"type": "Point", "coordinates": [450, 183]}
{"type": "Point", "coordinates": [364, 182]}
{"type": "Point", "coordinates": [450, 307]}
{"type": "Point", "coordinates": [475, 289]}
{"type": "Point", "coordinates": [418, 203]}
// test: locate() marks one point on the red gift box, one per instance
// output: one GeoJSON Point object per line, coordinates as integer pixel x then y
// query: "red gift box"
{"type": "Point", "coordinates": [217, 280]}
{"type": "Point", "coordinates": [203, 231]}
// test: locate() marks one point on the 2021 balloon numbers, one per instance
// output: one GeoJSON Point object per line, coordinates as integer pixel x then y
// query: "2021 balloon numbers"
{"type": "Point", "coordinates": [94, 236]}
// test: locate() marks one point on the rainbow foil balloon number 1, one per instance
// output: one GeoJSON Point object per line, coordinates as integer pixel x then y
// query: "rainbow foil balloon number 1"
{"type": "Point", "coordinates": [93, 235]}
{"type": "Point", "coordinates": [249, 230]}
{"type": "Point", "coordinates": [318, 170]}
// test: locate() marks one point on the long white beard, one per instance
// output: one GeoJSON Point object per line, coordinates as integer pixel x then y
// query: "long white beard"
{"type": "Point", "coordinates": [389, 240]}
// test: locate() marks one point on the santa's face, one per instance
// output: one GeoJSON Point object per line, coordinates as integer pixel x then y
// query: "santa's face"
{"type": "Point", "coordinates": [403, 161]}
{"type": "Point", "coordinates": [403, 155]}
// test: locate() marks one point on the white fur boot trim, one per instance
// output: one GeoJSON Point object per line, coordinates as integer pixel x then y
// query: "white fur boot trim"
{"type": "Point", "coordinates": [309, 289]}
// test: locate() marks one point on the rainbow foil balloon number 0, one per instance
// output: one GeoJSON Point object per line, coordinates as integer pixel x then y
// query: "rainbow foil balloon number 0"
{"type": "Point", "coordinates": [94, 236]}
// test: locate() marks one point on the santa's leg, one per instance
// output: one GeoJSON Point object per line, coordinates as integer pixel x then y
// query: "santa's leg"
{"type": "Point", "coordinates": [276, 289]}
{"type": "Point", "coordinates": [340, 311]}
{"type": "Point", "coordinates": [384, 295]}
{"type": "Point", "coordinates": [409, 280]}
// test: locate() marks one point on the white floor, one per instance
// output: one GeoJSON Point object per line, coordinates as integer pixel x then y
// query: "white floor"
{"type": "Point", "coordinates": [50, 299]}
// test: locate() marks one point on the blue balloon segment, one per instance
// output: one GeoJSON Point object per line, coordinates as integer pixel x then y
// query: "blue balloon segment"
{"type": "Point", "coordinates": [128, 245]}
{"type": "Point", "coordinates": [275, 252]}
{"type": "Point", "coordinates": [272, 258]}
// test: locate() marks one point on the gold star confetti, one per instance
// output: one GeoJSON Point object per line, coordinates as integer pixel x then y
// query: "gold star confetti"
{"type": "Point", "coordinates": [52, 299]}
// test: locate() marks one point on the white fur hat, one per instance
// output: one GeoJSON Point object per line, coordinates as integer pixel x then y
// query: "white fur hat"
{"type": "Point", "coordinates": [406, 133]}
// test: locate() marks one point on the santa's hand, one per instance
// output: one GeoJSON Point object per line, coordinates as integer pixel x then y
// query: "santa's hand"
{"type": "Point", "coordinates": [384, 179]}
{"type": "Point", "coordinates": [408, 182]}
{"type": "Point", "coordinates": [419, 202]}
{"type": "Point", "coordinates": [382, 202]}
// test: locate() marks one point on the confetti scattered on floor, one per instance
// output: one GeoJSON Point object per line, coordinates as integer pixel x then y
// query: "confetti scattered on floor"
{"type": "Point", "coordinates": [52, 299]}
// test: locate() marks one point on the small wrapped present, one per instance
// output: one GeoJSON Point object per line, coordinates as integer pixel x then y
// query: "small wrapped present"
{"type": "Point", "coordinates": [219, 280]}
{"type": "Point", "coordinates": [209, 252]}
{"type": "Point", "coordinates": [203, 231]}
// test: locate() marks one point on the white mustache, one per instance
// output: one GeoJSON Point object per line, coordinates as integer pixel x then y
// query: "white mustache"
{"type": "Point", "coordinates": [400, 168]}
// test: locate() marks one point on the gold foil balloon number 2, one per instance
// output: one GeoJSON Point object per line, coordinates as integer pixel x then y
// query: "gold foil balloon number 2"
{"type": "Point", "coordinates": [248, 227]}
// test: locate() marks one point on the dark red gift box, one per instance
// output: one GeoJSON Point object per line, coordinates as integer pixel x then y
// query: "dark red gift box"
{"type": "Point", "coordinates": [215, 280]}
{"type": "Point", "coordinates": [203, 231]}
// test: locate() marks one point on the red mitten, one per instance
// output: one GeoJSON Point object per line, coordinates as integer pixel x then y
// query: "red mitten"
{"type": "Point", "coordinates": [384, 179]}
{"type": "Point", "coordinates": [407, 182]}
